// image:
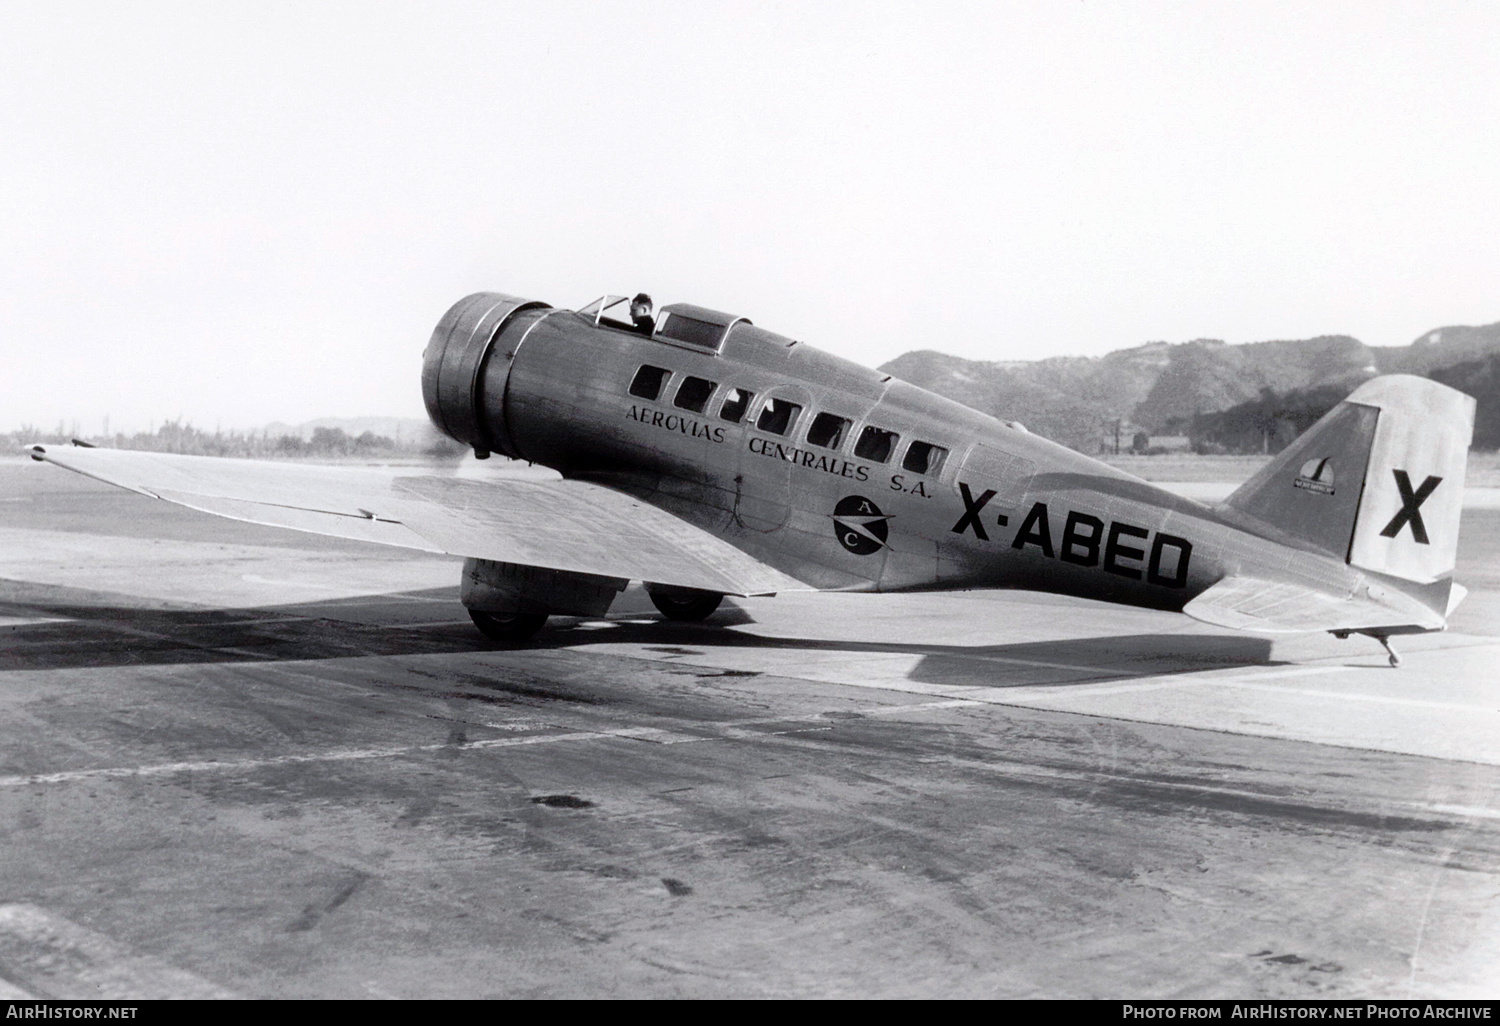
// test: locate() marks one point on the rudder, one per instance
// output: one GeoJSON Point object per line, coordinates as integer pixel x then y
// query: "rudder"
{"type": "Point", "coordinates": [1414, 484]}
{"type": "Point", "coordinates": [1378, 481]}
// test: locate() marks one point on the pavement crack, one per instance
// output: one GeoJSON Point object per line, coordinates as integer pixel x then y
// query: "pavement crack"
{"type": "Point", "coordinates": [312, 915]}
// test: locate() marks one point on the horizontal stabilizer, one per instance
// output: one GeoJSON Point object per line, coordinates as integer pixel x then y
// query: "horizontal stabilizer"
{"type": "Point", "coordinates": [1252, 604]}
{"type": "Point", "coordinates": [573, 526]}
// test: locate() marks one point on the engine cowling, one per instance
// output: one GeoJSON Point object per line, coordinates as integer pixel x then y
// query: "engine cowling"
{"type": "Point", "coordinates": [463, 392]}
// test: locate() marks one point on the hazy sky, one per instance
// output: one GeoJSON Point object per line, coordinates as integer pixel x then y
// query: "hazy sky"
{"type": "Point", "coordinates": [238, 213]}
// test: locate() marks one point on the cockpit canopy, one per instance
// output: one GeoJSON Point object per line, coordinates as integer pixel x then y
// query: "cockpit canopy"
{"type": "Point", "coordinates": [683, 324]}
{"type": "Point", "coordinates": [695, 326]}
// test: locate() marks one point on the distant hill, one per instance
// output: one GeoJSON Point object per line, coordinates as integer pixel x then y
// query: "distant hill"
{"type": "Point", "coordinates": [1438, 348]}
{"type": "Point", "coordinates": [1481, 379]}
{"type": "Point", "coordinates": [1178, 388]}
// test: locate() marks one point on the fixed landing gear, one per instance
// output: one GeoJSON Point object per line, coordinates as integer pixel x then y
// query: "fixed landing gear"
{"type": "Point", "coordinates": [510, 629]}
{"type": "Point", "coordinates": [510, 602]}
{"type": "Point", "coordinates": [504, 622]}
{"type": "Point", "coordinates": [683, 604]}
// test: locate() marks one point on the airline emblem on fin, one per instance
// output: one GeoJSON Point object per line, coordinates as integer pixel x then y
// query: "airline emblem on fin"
{"type": "Point", "coordinates": [859, 525]}
{"type": "Point", "coordinates": [1316, 475]}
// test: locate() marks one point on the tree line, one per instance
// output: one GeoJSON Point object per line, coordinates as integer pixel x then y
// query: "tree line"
{"type": "Point", "coordinates": [184, 438]}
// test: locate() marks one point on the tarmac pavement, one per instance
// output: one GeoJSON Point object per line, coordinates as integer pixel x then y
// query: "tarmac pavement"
{"type": "Point", "coordinates": [239, 761]}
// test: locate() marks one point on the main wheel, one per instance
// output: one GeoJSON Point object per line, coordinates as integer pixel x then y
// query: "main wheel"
{"type": "Point", "coordinates": [513, 628]}
{"type": "Point", "coordinates": [689, 606]}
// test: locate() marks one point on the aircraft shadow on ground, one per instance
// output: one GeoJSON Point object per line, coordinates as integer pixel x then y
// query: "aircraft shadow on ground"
{"type": "Point", "coordinates": [102, 630]}
{"type": "Point", "coordinates": [1011, 664]}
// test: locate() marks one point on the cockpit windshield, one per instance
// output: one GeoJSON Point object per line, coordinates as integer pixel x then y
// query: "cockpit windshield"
{"type": "Point", "coordinates": [595, 311]}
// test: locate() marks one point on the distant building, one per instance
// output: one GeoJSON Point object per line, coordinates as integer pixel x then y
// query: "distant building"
{"type": "Point", "coordinates": [1169, 444]}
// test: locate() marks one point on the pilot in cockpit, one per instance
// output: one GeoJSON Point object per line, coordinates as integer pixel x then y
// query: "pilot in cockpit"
{"type": "Point", "coordinates": [640, 314]}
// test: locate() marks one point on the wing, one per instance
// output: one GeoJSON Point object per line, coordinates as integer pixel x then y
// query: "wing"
{"type": "Point", "coordinates": [562, 525]}
{"type": "Point", "coordinates": [1251, 604]}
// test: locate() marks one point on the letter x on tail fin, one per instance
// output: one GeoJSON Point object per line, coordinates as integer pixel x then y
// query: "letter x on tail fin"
{"type": "Point", "coordinates": [1378, 482]}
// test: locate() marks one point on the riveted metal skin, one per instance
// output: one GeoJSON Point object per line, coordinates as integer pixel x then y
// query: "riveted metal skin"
{"type": "Point", "coordinates": [454, 365]}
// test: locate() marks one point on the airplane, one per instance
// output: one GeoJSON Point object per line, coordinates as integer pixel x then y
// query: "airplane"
{"type": "Point", "coordinates": [705, 456]}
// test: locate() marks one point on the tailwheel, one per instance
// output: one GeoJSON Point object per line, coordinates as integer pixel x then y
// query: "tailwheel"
{"type": "Point", "coordinates": [513, 628]}
{"type": "Point", "coordinates": [1392, 656]}
{"type": "Point", "coordinates": [684, 604]}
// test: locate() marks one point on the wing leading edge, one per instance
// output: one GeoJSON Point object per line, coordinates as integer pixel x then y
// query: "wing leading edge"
{"type": "Point", "coordinates": [573, 526]}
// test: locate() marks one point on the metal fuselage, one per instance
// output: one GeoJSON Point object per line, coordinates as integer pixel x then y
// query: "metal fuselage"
{"type": "Point", "coordinates": [1004, 509]}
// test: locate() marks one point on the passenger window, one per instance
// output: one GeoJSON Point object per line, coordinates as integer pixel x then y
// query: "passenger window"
{"type": "Point", "coordinates": [693, 394]}
{"type": "Point", "coordinates": [924, 458]}
{"type": "Point", "coordinates": [648, 382]}
{"type": "Point", "coordinates": [777, 416]}
{"type": "Point", "coordinates": [875, 444]}
{"type": "Point", "coordinates": [827, 430]}
{"type": "Point", "coordinates": [735, 405]}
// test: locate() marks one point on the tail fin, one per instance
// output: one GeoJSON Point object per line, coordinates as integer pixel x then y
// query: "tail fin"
{"type": "Point", "coordinates": [1378, 481]}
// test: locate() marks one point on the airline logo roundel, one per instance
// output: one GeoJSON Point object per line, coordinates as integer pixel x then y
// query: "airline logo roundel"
{"type": "Point", "coordinates": [859, 525]}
